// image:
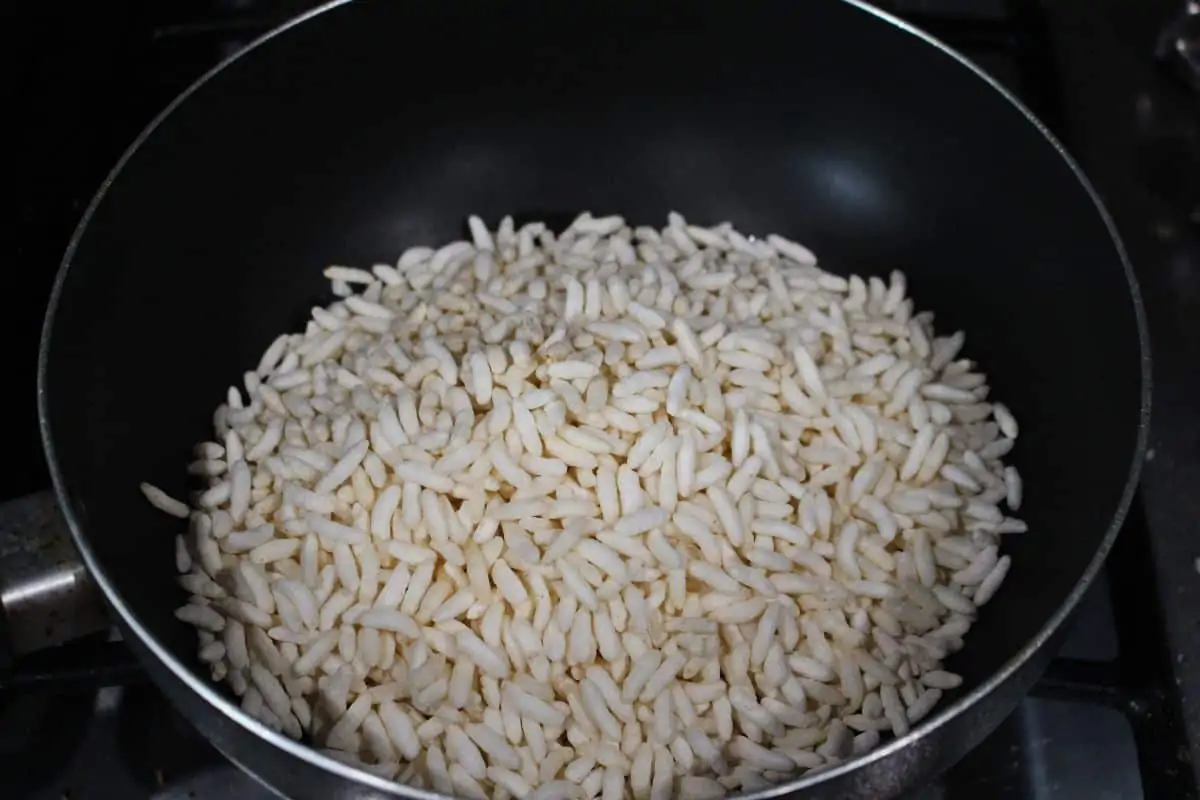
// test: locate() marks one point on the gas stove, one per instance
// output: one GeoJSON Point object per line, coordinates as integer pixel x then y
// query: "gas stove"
{"type": "Point", "coordinates": [1118, 713]}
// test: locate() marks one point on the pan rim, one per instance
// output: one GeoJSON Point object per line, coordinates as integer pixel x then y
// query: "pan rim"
{"type": "Point", "coordinates": [942, 716]}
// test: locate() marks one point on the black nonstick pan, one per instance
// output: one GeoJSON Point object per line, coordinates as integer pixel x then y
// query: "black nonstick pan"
{"type": "Point", "coordinates": [370, 126]}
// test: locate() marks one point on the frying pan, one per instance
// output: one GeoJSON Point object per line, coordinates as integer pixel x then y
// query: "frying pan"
{"type": "Point", "coordinates": [365, 127]}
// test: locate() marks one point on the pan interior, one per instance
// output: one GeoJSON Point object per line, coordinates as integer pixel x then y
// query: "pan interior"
{"type": "Point", "coordinates": [378, 126]}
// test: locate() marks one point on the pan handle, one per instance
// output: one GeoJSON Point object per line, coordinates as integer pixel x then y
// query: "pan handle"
{"type": "Point", "coordinates": [47, 599]}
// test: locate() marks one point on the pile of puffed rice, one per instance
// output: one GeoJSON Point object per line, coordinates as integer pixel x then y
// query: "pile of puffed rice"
{"type": "Point", "coordinates": [617, 512]}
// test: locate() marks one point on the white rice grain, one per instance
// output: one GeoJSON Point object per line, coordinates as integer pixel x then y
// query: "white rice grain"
{"type": "Point", "coordinates": [608, 512]}
{"type": "Point", "coordinates": [164, 502]}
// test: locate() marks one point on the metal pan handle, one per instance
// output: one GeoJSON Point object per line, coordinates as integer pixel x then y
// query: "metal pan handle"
{"type": "Point", "coordinates": [47, 600]}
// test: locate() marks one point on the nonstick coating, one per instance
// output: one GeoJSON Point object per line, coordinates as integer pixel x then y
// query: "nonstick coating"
{"type": "Point", "coordinates": [377, 125]}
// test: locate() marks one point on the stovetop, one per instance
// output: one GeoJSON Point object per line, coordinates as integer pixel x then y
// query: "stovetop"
{"type": "Point", "coordinates": [1118, 713]}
